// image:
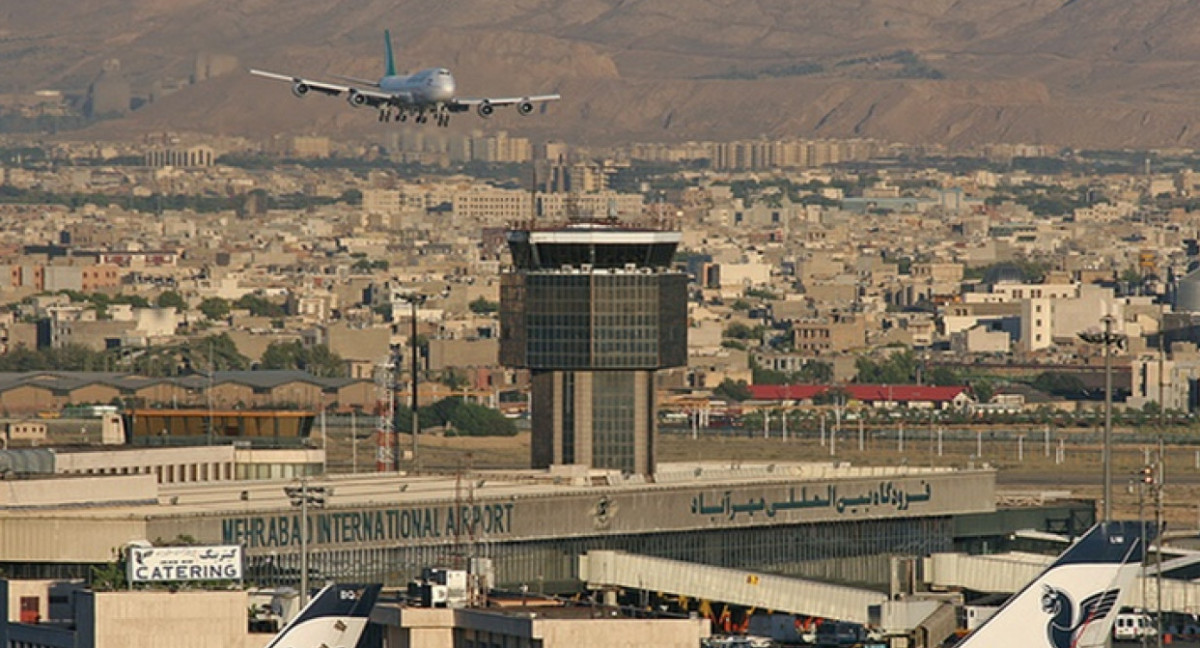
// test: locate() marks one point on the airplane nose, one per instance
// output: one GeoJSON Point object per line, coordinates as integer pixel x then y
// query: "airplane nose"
{"type": "Point", "coordinates": [448, 88]}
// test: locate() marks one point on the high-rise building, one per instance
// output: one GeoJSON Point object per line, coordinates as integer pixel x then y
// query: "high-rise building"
{"type": "Point", "coordinates": [593, 310]}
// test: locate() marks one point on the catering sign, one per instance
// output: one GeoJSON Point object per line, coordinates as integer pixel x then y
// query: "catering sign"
{"type": "Point", "coordinates": [159, 564]}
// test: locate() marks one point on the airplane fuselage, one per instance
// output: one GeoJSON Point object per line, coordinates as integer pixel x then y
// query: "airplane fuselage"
{"type": "Point", "coordinates": [424, 95]}
{"type": "Point", "coordinates": [429, 87]}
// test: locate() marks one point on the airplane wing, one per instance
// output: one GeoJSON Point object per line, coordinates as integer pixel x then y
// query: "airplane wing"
{"type": "Point", "coordinates": [357, 96]}
{"type": "Point", "coordinates": [503, 101]}
{"type": "Point", "coordinates": [366, 82]}
{"type": "Point", "coordinates": [485, 106]}
{"type": "Point", "coordinates": [331, 89]}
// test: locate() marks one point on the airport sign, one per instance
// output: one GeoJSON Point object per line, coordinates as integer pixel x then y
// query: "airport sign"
{"type": "Point", "coordinates": [169, 564]}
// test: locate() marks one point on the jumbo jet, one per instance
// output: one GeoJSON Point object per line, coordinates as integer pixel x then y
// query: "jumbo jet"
{"type": "Point", "coordinates": [1074, 602]}
{"type": "Point", "coordinates": [425, 94]}
{"type": "Point", "coordinates": [336, 616]}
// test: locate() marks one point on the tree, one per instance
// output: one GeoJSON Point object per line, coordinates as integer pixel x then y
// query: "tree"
{"type": "Point", "coordinates": [943, 376]}
{"type": "Point", "coordinates": [171, 299]}
{"type": "Point", "coordinates": [740, 331]}
{"type": "Point", "coordinates": [815, 371]}
{"type": "Point", "coordinates": [455, 379]}
{"type": "Point", "coordinates": [216, 352]}
{"type": "Point", "coordinates": [215, 308]}
{"type": "Point", "coordinates": [482, 306]}
{"type": "Point", "coordinates": [466, 419]}
{"type": "Point", "coordinates": [984, 391]}
{"type": "Point", "coordinates": [317, 360]}
{"type": "Point", "coordinates": [733, 391]}
{"type": "Point", "coordinates": [898, 369]}
{"type": "Point", "coordinates": [1060, 384]}
{"type": "Point", "coordinates": [259, 306]}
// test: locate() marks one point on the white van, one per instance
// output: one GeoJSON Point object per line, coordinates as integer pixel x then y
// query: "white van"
{"type": "Point", "coordinates": [1133, 626]}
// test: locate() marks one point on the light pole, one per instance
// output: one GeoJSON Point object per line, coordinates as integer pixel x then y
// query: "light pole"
{"type": "Point", "coordinates": [414, 301]}
{"type": "Point", "coordinates": [303, 496]}
{"type": "Point", "coordinates": [1108, 339]}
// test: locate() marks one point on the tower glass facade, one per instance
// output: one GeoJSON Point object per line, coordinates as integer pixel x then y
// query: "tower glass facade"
{"type": "Point", "coordinates": [593, 311]}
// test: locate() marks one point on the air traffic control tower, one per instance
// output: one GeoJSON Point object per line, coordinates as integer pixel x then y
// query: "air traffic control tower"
{"type": "Point", "coordinates": [593, 310]}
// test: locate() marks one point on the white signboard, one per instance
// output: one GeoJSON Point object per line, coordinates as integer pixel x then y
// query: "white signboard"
{"type": "Point", "coordinates": [157, 564]}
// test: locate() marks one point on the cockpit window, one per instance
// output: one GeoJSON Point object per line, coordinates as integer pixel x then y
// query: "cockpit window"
{"type": "Point", "coordinates": [443, 72]}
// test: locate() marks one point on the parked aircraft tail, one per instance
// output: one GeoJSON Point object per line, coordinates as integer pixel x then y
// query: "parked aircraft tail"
{"type": "Point", "coordinates": [1074, 602]}
{"type": "Point", "coordinates": [335, 617]}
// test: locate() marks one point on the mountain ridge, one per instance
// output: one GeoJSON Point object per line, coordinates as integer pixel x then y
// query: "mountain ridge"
{"type": "Point", "coordinates": [1100, 73]}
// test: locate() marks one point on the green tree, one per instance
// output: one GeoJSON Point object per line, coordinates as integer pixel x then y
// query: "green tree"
{"type": "Point", "coordinates": [1063, 385]}
{"type": "Point", "coordinates": [733, 391]}
{"type": "Point", "coordinates": [740, 331]}
{"type": "Point", "coordinates": [984, 391]}
{"type": "Point", "coordinates": [317, 360]}
{"type": "Point", "coordinates": [815, 371]}
{"type": "Point", "coordinates": [943, 376]}
{"type": "Point", "coordinates": [259, 306]}
{"type": "Point", "coordinates": [469, 419]}
{"type": "Point", "coordinates": [215, 308]}
{"type": "Point", "coordinates": [482, 306]}
{"type": "Point", "coordinates": [466, 419]}
{"type": "Point", "coordinates": [198, 355]}
{"type": "Point", "coordinates": [897, 369]}
{"type": "Point", "coordinates": [455, 379]}
{"type": "Point", "coordinates": [171, 299]}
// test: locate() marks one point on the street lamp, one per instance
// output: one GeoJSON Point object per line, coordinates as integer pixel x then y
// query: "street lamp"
{"type": "Point", "coordinates": [1109, 340]}
{"type": "Point", "coordinates": [415, 300]}
{"type": "Point", "coordinates": [304, 496]}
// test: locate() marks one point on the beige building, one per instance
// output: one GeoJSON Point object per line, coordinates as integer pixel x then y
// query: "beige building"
{"type": "Point", "coordinates": [836, 333]}
{"type": "Point", "coordinates": [534, 626]}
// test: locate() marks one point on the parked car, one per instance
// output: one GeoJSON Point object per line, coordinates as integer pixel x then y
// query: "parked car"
{"type": "Point", "coordinates": [1133, 625]}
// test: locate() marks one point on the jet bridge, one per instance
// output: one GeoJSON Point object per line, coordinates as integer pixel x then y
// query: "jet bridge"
{"type": "Point", "coordinates": [600, 569]}
{"type": "Point", "coordinates": [1010, 572]}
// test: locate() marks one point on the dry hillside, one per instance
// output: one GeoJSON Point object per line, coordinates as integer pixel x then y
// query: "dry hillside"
{"type": "Point", "coordinates": [1089, 73]}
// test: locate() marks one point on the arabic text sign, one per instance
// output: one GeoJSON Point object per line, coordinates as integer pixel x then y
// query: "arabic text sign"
{"type": "Point", "coordinates": [886, 494]}
{"type": "Point", "coordinates": [157, 564]}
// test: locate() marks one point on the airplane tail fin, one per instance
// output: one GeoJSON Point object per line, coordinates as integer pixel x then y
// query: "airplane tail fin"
{"type": "Point", "coordinates": [389, 61]}
{"type": "Point", "coordinates": [1074, 602]}
{"type": "Point", "coordinates": [336, 616]}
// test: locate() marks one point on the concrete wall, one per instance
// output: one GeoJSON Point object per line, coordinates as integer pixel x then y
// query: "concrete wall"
{"type": "Point", "coordinates": [142, 619]}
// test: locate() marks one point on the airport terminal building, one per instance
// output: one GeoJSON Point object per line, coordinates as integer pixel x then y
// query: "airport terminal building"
{"type": "Point", "coordinates": [804, 519]}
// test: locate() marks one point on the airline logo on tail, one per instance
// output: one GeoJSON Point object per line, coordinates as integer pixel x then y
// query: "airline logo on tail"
{"type": "Point", "coordinates": [337, 616]}
{"type": "Point", "coordinates": [1066, 625]}
{"type": "Point", "coordinates": [1093, 571]}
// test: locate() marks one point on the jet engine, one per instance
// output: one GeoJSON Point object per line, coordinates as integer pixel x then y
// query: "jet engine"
{"type": "Point", "coordinates": [299, 89]}
{"type": "Point", "coordinates": [525, 107]}
{"type": "Point", "coordinates": [485, 109]}
{"type": "Point", "coordinates": [356, 99]}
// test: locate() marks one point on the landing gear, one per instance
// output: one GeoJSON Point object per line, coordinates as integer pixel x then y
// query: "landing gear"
{"type": "Point", "coordinates": [443, 119]}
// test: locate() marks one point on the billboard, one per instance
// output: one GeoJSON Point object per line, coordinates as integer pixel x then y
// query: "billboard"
{"type": "Point", "coordinates": [160, 564]}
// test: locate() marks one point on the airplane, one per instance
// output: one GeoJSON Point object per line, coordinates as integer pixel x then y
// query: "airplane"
{"type": "Point", "coordinates": [427, 93]}
{"type": "Point", "coordinates": [336, 616]}
{"type": "Point", "coordinates": [1074, 602]}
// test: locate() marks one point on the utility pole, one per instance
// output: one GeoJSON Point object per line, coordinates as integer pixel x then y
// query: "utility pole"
{"type": "Point", "coordinates": [1158, 525]}
{"type": "Point", "coordinates": [1109, 340]}
{"type": "Point", "coordinates": [414, 301]}
{"type": "Point", "coordinates": [305, 496]}
{"type": "Point", "coordinates": [1145, 479]}
{"type": "Point", "coordinates": [1108, 322]}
